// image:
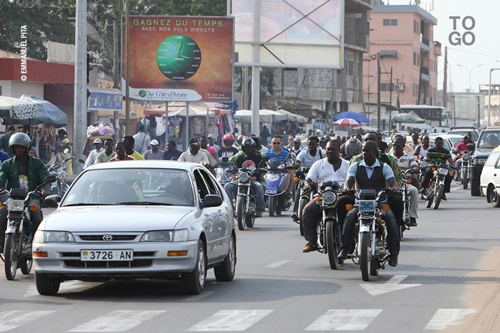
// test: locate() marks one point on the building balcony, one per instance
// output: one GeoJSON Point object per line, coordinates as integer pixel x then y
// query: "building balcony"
{"type": "Point", "coordinates": [424, 44]}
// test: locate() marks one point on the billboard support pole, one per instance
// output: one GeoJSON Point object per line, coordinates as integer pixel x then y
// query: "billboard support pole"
{"type": "Point", "coordinates": [187, 125]}
{"type": "Point", "coordinates": [256, 69]}
{"type": "Point", "coordinates": [166, 126]}
{"type": "Point", "coordinates": [127, 81]}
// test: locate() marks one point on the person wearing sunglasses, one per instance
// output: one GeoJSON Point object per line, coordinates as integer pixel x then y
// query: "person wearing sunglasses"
{"type": "Point", "coordinates": [283, 155]}
{"type": "Point", "coordinates": [194, 154]}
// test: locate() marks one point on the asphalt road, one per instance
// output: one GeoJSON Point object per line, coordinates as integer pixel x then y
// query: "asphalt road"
{"type": "Point", "coordinates": [447, 278]}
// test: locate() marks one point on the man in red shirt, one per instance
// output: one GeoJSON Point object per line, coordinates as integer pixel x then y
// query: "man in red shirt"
{"type": "Point", "coordinates": [462, 146]}
{"type": "Point", "coordinates": [120, 154]}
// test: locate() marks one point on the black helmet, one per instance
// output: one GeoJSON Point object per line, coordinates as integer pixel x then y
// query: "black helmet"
{"type": "Point", "coordinates": [21, 139]}
{"type": "Point", "coordinates": [248, 142]}
{"type": "Point", "coordinates": [353, 147]}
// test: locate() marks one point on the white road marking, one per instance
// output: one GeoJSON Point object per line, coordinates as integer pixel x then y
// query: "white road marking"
{"type": "Point", "coordinates": [375, 289]}
{"type": "Point", "coordinates": [13, 319]}
{"type": "Point", "coordinates": [117, 321]}
{"type": "Point", "coordinates": [230, 320]}
{"type": "Point", "coordinates": [196, 298]}
{"type": "Point", "coordinates": [344, 320]}
{"type": "Point", "coordinates": [447, 317]}
{"type": "Point", "coordinates": [277, 264]}
{"type": "Point", "coordinates": [68, 286]}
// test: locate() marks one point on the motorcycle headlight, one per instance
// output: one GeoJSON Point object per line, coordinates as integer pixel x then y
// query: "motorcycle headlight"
{"type": "Point", "coordinates": [273, 177]}
{"type": "Point", "coordinates": [166, 236]}
{"type": "Point", "coordinates": [15, 205]}
{"type": "Point", "coordinates": [53, 237]}
{"type": "Point", "coordinates": [244, 177]}
{"type": "Point", "coordinates": [329, 198]}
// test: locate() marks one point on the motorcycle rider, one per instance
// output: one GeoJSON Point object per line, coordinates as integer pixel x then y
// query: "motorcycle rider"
{"type": "Point", "coordinates": [331, 168]}
{"type": "Point", "coordinates": [422, 149]}
{"type": "Point", "coordinates": [307, 158]}
{"type": "Point", "coordinates": [296, 148]}
{"type": "Point", "coordinates": [440, 155]}
{"type": "Point", "coordinates": [21, 171]}
{"type": "Point", "coordinates": [461, 147]}
{"type": "Point", "coordinates": [228, 148]}
{"type": "Point", "coordinates": [371, 174]}
{"type": "Point", "coordinates": [283, 155]}
{"type": "Point", "coordinates": [250, 157]}
{"type": "Point", "coordinates": [352, 148]}
{"type": "Point", "coordinates": [406, 161]}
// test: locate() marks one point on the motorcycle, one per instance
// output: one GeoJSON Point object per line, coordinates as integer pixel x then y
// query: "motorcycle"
{"type": "Point", "coordinates": [246, 202]}
{"type": "Point", "coordinates": [464, 174]}
{"type": "Point", "coordinates": [435, 191]}
{"type": "Point", "coordinates": [222, 176]}
{"type": "Point", "coordinates": [275, 187]}
{"type": "Point", "coordinates": [371, 251]}
{"type": "Point", "coordinates": [19, 233]}
{"type": "Point", "coordinates": [406, 202]}
{"type": "Point", "coordinates": [329, 228]}
{"type": "Point", "coordinates": [60, 186]}
{"type": "Point", "coordinates": [302, 197]}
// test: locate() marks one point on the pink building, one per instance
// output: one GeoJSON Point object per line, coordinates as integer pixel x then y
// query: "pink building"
{"type": "Point", "coordinates": [403, 36]}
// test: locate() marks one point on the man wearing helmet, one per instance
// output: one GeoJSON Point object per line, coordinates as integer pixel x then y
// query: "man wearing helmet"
{"type": "Point", "coordinates": [352, 148]}
{"type": "Point", "coordinates": [21, 171]}
{"type": "Point", "coordinates": [250, 156]}
{"type": "Point", "coordinates": [228, 148]}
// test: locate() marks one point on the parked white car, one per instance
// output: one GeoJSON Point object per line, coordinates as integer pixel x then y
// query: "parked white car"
{"type": "Point", "coordinates": [490, 178]}
{"type": "Point", "coordinates": [137, 219]}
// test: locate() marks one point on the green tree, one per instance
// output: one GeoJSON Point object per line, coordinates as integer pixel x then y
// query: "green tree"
{"type": "Point", "coordinates": [45, 20]}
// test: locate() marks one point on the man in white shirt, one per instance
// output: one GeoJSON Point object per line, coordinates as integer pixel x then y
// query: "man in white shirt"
{"type": "Point", "coordinates": [142, 140]}
{"type": "Point", "coordinates": [93, 154]}
{"type": "Point", "coordinates": [331, 168]}
{"type": "Point", "coordinates": [194, 154]}
{"type": "Point", "coordinates": [311, 154]}
{"type": "Point", "coordinates": [406, 160]}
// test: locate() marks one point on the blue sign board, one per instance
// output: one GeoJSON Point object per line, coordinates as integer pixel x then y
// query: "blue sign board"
{"type": "Point", "coordinates": [105, 101]}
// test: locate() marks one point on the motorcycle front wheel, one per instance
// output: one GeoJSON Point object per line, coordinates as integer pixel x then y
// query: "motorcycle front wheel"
{"type": "Point", "coordinates": [438, 196]}
{"type": "Point", "coordinates": [26, 264]}
{"type": "Point", "coordinates": [302, 204]}
{"type": "Point", "coordinates": [11, 255]}
{"type": "Point", "coordinates": [272, 206]}
{"type": "Point", "coordinates": [249, 220]}
{"type": "Point", "coordinates": [364, 261]}
{"type": "Point", "coordinates": [332, 245]}
{"type": "Point", "coordinates": [240, 212]}
{"type": "Point", "coordinates": [465, 179]}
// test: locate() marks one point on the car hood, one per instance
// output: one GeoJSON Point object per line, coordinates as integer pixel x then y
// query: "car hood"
{"type": "Point", "coordinates": [115, 218]}
{"type": "Point", "coordinates": [483, 152]}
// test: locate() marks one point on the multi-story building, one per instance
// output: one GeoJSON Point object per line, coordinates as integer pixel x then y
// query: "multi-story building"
{"type": "Point", "coordinates": [320, 93]}
{"type": "Point", "coordinates": [402, 36]}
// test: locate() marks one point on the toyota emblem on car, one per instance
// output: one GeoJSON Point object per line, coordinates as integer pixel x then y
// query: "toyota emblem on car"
{"type": "Point", "coordinates": [107, 238]}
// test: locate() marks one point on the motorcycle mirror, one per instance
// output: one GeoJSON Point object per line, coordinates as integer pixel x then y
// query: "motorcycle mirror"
{"type": "Point", "coordinates": [471, 146]}
{"type": "Point", "coordinates": [50, 179]}
{"type": "Point", "coordinates": [81, 161]}
{"type": "Point", "coordinates": [265, 158]}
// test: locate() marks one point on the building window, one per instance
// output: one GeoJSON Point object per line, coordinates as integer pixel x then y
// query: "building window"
{"type": "Point", "coordinates": [386, 86]}
{"type": "Point", "coordinates": [414, 59]}
{"type": "Point", "coordinates": [388, 22]}
{"type": "Point", "coordinates": [350, 67]}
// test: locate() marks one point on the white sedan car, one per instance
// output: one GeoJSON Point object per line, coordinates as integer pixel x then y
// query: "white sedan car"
{"type": "Point", "coordinates": [137, 219]}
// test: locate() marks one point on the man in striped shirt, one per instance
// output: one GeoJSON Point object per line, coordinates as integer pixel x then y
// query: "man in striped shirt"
{"type": "Point", "coordinates": [439, 155]}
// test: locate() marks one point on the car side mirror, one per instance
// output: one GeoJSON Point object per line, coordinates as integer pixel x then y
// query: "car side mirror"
{"type": "Point", "coordinates": [212, 200]}
{"type": "Point", "coordinates": [50, 179]}
{"type": "Point", "coordinates": [52, 201]}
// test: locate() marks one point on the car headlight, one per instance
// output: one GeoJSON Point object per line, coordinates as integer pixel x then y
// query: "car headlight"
{"type": "Point", "coordinates": [53, 237]}
{"type": "Point", "coordinates": [244, 177]}
{"type": "Point", "coordinates": [15, 205]}
{"type": "Point", "coordinates": [166, 236]}
{"type": "Point", "coordinates": [329, 198]}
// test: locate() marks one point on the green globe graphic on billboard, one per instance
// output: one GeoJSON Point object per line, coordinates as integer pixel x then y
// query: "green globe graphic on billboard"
{"type": "Point", "coordinates": [178, 57]}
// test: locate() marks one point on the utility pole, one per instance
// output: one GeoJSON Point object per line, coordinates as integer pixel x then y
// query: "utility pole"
{"type": "Point", "coordinates": [479, 113]}
{"type": "Point", "coordinates": [116, 74]}
{"type": "Point", "coordinates": [255, 68]}
{"type": "Point", "coordinates": [445, 81]}
{"type": "Point", "coordinates": [378, 92]}
{"type": "Point", "coordinates": [127, 93]}
{"type": "Point", "coordinates": [80, 101]}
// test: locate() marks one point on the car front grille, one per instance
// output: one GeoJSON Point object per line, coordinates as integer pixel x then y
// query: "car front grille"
{"type": "Point", "coordinates": [102, 238]}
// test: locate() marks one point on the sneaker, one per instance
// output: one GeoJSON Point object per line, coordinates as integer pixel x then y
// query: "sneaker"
{"type": "Point", "coordinates": [393, 259]}
{"type": "Point", "coordinates": [310, 247]}
{"type": "Point", "coordinates": [444, 197]}
{"type": "Point", "coordinates": [295, 217]}
{"type": "Point", "coordinates": [343, 254]}
{"type": "Point", "coordinates": [259, 212]}
{"type": "Point", "coordinates": [413, 222]}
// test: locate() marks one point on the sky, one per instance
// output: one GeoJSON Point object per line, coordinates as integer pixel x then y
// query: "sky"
{"type": "Point", "coordinates": [484, 52]}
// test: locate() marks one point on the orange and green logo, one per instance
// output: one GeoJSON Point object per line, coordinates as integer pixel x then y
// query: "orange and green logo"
{"type": "Point", "coordinates": [143, 93]}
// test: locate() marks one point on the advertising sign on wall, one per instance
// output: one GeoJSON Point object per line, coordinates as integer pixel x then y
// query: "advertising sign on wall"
{"type": "Point", "coordinates": [105, 101]}
{"type": "Point", "coordinates": [180, 58]}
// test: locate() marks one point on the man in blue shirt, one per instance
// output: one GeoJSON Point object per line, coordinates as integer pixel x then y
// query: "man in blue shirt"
{"type": "Point", "coordinates": [282, 154]}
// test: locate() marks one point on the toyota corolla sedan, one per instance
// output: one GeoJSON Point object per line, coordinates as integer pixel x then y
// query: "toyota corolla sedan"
{"type": "Point", "coordinates": [137, 219]}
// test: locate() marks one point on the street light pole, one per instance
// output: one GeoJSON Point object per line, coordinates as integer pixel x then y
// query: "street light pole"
{"type": "Point", "coordinates": [470, 72]}
{"type": "Point", "coordinates": [489, 94]}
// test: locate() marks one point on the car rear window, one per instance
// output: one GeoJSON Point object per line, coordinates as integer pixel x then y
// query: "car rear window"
{"type": "Point", "coordinates": [463, 132]}
{"type": "Point", "coordinates": [131, 187]}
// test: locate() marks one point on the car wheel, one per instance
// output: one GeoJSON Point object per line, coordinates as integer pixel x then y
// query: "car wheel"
{"type": "Point", "coordinates": [194, 281]}
{"type": "Point", "coordinates": [475, 190]}
{"type": "Point", "coordinates": [226, 270]}
{"type": "Point", "coordinates": [494, 198]}
{"type": "Point", "coordinates": [45, 285]}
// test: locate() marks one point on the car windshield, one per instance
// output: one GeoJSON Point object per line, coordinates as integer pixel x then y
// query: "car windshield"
{"type": "Point", "coordinates": [131, 187]}
{"type": "Point", "coordinates": [463, 132]}
{"type": "Point", "coordinates": [455, 141]}
{"type": "Point", "coordinates": [489, 140]}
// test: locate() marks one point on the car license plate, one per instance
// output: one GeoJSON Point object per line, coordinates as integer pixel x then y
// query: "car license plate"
{"type": "Point", "coordinates": [107, 255]}
{"type": "Point", "coordinates": [271, 190]}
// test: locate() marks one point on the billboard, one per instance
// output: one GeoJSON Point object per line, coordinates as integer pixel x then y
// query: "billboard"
{"type": "Point", "coordinates": [293, 33]}
{"type": "Point", "coordinates": [180, 58]}
{"type": "Point", "coordinates": [105, 101]}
